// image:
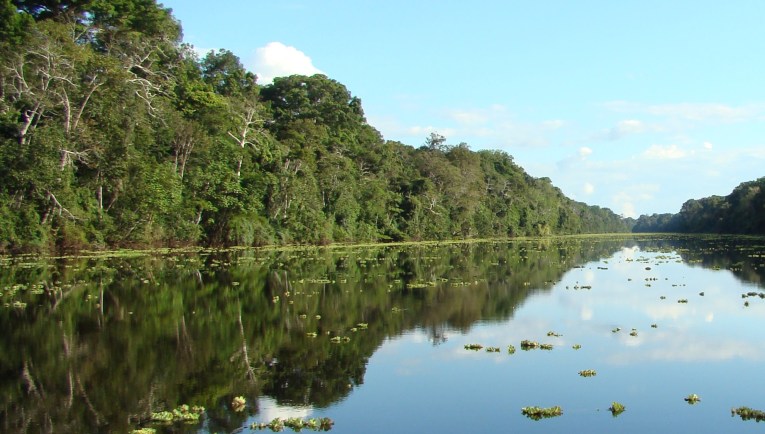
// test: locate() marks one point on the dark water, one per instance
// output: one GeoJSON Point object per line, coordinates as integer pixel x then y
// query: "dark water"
{"type": "Point", "coordinates": [99, 344]}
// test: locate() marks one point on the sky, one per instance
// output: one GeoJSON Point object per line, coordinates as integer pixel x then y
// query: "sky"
{"type": "Point", "coordinates": [636, 106]}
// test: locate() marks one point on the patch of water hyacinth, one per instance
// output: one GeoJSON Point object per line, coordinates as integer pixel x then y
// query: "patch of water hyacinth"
{"type": "Point", "coordinates": [588, 373]}
{"type": "Point", "coordinates": [538, 413]}
{"type": "Point", "coordinates": [238, 404]}
{"type": "Point", "coordinates": [296, 424]}
{"type": "Point", "coordinates": [616, 408]}
{"type": "Point", "coordinates": [184, 413]}
{"type": "Point", "coordinates": [746, 413]}
{"type": "Point", "coordinates": [532, 345]}
{"type": "Point", "coordinates": [692, 398]}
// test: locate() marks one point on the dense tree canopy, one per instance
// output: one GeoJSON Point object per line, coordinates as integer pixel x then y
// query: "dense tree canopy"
{"type": "Point", "coordinates": [113, 132]}
{"type": "Point", "coordinates": [740, 212]}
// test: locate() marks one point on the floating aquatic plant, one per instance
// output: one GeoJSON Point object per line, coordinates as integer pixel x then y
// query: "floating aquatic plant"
{"type": "Point", "coordinates": [531, 345]}
{"type": "Point", "coordinates": [510, 349]}
{"type": "Point", "coordinates": [683, 300]}
{"type": "Point", "coordinates": [492, 349]}
{"type": "Point", "coordinates": [588, 373]}
{"type": "Point", "coordinates": [692, 398]}
{"type": "Point", "coordinates": [553, 334]}
{"type": "Point", "coordinates": [296, 424]}
{"type": "Point", "coordinates": [238, 403]}
{"type": "Point", "coordinates": [576, 346]}
{"type": "Point", "coordinates": [538, 413]}
{"type": "Point", "coordinates": [633, 333]}
{"type": "Point", "coordinates": [183, 413]}
{"type": "Point", "coordinates": [473, 347]}
{"type": "Point", "coordinates": [616, 408]}
{"type": "Point", "coordinates": [747, 413]}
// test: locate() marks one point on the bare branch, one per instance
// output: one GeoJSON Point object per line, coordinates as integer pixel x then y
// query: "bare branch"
{"type": "Point", "coordinates": [60, 207]}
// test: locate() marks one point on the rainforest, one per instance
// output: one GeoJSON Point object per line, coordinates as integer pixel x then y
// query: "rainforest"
{"type": "Point", "coordinates": [115, 133]}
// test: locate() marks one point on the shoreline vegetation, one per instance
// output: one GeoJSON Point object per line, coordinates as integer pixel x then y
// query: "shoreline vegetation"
{"type": "Point", "coordinates": [149, 251]}
{"type": "Point", "coordinates": [114, 133]}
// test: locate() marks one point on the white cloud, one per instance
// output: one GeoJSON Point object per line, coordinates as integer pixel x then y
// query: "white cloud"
{"type": "Point", "coordinates": [278, 60]}
{"type": "Point", "coordinates": [625, 203]}
{"type": "Point", "coordinates": [585, 151]}
{"type": "Point", "coordinates": [554, 124]}
{"type": "Point", "coordinates": [418, 130]}
{"type": "Point", "coordinates": [268, 409]}
{"type": "Point", "coordinates": [466, 117]}
{"type": "Point", "coordinates": [585, 313]}
{"type": "Point", "coordinates": [704, 111]}
{"type": "Point", "coordinates": [588, 188]}
{"type": "Point", "coordinates": [708, 145]}
{"type": "Point", "coordinates": [669, 152]}
{"type": "Point", "coordinates": [695, 112]}
{"type": "Point", "coordinates": [628, 127]}
{"type": "Point", "coordinates": [628, 210]}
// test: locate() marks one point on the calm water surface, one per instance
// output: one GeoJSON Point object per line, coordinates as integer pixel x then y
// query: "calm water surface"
{"type": "Point", "coordinates": [98, 344]}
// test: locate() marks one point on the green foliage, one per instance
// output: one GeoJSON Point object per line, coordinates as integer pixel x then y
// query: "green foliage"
{"type": "Point", "coordinates": [113, 132]}
{"type": "Point", "coordinates": [740, 212]}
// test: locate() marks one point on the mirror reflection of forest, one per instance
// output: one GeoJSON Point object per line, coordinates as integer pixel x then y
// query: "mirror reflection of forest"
{"type": "Point", "coordinates": [98, 344]}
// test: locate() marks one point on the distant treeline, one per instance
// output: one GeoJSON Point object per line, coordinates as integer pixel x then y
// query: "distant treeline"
{"type": "Point", "coordinates": [741, 212]}
{"type": "Point", "coordinates": [114, 132]}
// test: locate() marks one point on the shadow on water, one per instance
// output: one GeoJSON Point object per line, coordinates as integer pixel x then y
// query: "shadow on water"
{"type": "Point", "coordinates": [97, 345]}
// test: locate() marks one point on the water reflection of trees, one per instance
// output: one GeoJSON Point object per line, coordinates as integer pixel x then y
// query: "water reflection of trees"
{"type": "Point", "coordinates": [743, 256]}
{"type": "Point", "coordinates": [106, 342]}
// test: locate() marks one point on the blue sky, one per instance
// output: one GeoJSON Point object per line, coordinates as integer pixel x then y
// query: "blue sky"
{"type": "Point", "coordinates": [632, 105]}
